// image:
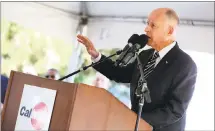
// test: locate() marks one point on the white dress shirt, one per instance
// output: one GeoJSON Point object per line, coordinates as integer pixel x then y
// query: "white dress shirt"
{"type": "Point", "coordinates": [163, 52]}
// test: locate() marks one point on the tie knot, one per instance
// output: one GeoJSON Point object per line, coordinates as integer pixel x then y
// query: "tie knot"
{"type": "Point", "coordinates": [156, 55]}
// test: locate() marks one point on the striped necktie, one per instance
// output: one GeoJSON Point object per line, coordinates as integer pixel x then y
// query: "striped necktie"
{"type": "Point", "coordinates": [149, 67]}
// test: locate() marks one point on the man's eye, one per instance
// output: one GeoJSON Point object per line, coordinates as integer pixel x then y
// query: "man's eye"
{"type": "Point", "coordinates": [154, 26]}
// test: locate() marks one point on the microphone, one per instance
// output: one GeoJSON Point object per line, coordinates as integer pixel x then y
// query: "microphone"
{"type": "Point", "coordinates": [131, 41]}
{"type": "Point", "coordinates": [141, 42]}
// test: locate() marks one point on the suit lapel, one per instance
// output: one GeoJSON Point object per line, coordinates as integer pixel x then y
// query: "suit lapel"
{"type": "Point", "coordinates": [144, 57]}
{"type": "Point", "coordinates": [162, 65]}
{"type": "Point", "coordinates": [167, 60]}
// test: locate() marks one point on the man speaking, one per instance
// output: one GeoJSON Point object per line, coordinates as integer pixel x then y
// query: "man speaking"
{"type": "Point", "coordinates": [170, 73]}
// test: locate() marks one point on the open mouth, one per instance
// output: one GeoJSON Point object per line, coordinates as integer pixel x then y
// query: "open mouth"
{"type": "Point", "coordinates": [148, 37]}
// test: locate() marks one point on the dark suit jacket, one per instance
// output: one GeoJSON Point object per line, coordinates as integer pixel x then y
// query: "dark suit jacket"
{"type": "Point", "coordinates": [171, 87]}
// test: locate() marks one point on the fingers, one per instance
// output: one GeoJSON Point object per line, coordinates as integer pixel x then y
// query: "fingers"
{"type": "Point", "coordinates": [79, 40]}
{"type": "Point", "coordinates": [84, 40]}
{"type": "Point", "coordinates": [88, 44]}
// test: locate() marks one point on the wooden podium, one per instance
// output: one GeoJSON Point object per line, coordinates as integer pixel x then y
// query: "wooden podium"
{"type": "Point", "coordinates": [76, 107]}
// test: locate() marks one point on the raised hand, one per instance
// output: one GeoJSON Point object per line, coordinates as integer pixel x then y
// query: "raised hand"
{"type": "Point", "coordinates": [89, 46]}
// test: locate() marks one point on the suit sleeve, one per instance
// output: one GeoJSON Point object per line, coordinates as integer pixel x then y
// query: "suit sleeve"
{"type": "Point", "coordinates": [116, 73]}
{"type": "Point", "coordinates": [181, 94]}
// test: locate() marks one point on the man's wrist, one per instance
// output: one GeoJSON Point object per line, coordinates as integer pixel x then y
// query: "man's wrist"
{"type": "Point", "coordinates": [97, 58]}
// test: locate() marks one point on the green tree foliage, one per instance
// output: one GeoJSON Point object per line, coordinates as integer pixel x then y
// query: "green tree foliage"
{"type": "Point", "coordinates": [22, 47]}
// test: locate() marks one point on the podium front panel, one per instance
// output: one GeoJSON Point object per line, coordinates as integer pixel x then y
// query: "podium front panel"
{"type": "Point", "coordinates": [63, 105]}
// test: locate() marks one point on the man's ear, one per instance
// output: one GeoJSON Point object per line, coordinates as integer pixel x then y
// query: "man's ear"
{"type": "Point", "coordinates": [171, 30]}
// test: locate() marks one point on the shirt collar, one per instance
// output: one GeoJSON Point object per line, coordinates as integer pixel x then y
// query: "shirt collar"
{"type": "Point", "coordinates": [166, 49]}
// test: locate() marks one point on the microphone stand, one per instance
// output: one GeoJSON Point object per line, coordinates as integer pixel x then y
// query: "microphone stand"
{"type": "Point", "coordinates": [142, 92]}
{"type": "Point", "coordinates": [91, 65]}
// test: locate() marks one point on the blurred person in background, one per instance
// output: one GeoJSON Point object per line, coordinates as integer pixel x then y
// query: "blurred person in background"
{"type": "Point", "coordinates": [101, 81]}
{"type": "Point", "coordinates": [121, 92]}
{"type": "Point", "coordinates": [4, 83]}
{"type": "Point", "coordinates": [52, 74]}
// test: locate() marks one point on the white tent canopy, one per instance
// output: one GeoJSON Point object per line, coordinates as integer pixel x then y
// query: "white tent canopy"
{"type": "Point", "coordinates": [110, 24]}
{"type": "Point", "coordinates": [202, 11]}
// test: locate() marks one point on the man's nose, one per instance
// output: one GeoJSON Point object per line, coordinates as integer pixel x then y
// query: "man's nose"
{"type": "Point", "coordinates": [147, 29]}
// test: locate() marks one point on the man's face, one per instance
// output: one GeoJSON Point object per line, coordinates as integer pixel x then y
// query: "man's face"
{"type": "Point", "coordinates": [51, 74]}
{"type": "Point", "coordinates": [157, 28]}
{"type": "Point", "coordinates": [101, 81]}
